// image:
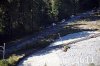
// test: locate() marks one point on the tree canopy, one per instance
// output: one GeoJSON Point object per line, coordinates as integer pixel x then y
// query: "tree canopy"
{"type": "Point", "coordinates": [21, 17]}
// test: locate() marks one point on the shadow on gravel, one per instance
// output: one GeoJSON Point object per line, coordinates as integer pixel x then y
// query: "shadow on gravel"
{"type": "Point", "coordinates": [51, 49]}
{"type": "Point", "coordinates": [92, 18]}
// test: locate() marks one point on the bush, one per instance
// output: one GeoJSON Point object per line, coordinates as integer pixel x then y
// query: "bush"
{"type": "Point", "coordinates": [11, 61]}
{"type": "Point", "coordinates": [3, 63]}
{"type": "Point", "coordinates": [66, 48]}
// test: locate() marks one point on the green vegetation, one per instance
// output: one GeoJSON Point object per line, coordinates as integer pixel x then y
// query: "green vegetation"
{"type": "Point", "coordinates": [54, 9]}
{"type": "Point", "coordinates": [11, 61]}
{"type": "Point", "coordinates": [23, 17]}
{"type": "Point", "coordinates": [65, 48]}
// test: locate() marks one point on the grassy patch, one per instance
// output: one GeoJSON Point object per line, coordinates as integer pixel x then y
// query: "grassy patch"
{"type": "Point", "coordinates": [11, 61]}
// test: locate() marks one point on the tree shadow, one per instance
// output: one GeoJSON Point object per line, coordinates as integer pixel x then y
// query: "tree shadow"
{"type": "Point", "coordinates": [92, 18]}
{"type": "Point", "coordinates": [54, 48]}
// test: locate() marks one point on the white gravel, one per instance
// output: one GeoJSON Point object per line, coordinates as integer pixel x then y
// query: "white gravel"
{"type": "Point", "coordinates": [84, 53]}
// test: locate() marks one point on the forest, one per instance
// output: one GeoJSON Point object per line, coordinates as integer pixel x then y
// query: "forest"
{"type": "Point", "coordinates": [19, 18]}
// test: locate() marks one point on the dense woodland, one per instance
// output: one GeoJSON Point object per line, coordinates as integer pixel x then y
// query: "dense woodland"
{"type": "Point", "coordinates": [24, 17]}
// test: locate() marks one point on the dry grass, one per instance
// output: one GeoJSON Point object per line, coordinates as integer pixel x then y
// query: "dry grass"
{"type": "Point", "coordinates": [86, 24]}
{"type": "Point", "coordinates": [11, 61]}
{"type": "Point", "coordinates": [91, 22]}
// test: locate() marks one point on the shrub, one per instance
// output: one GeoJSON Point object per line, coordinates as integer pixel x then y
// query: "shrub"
{"type": "Point", "coordinates": [65, 48]}
{"type": "Point", "coordinates": [3, 63]}
{"type": "Point", "coordinates": [11, 61]}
